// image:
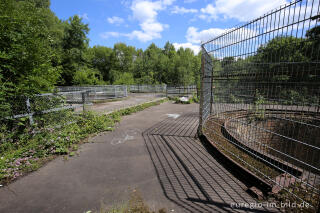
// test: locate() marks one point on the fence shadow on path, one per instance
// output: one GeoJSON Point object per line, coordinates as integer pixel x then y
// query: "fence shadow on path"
{"type": "Point", "coordinates": [189, 175]}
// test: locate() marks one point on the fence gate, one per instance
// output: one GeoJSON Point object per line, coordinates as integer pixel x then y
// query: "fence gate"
{"type": "Point", "coordinates": [260, 97]}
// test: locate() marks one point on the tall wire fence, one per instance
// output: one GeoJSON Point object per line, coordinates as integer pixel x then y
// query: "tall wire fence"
{"type": "Point", "coordinates": [260, 98]}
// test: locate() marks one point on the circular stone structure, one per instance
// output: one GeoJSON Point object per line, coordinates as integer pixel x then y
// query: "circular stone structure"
{"type": "Point", "coordinates": [286, 141]}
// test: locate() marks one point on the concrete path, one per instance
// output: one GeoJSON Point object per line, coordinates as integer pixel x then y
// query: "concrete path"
{"type": "Point", "coordinates": [154, 151]}
{"type": "Point", "coordinates": [132, 100]}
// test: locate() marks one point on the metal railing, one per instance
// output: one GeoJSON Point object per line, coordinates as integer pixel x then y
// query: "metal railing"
{"type": "Point", "coordinates": [181, 90]}
{"type": "Point", "coordinates": [147, 88]}
{"type": "Point", "coordinates": [41, 104]}
{"type": "Point", "coordinates": [260, 98]}
{"type": "Point", "coordinates": [99, 92]}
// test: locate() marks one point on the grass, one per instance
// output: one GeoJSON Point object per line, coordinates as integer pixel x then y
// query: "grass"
{"type": "Point", "coordinates": [135, 204]}
{"type": "Point", "coordinates": [26, 148]}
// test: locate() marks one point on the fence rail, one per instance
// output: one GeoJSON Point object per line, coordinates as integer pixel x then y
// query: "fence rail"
{"type": "Point", "coordinates": [260, 98]}
{"type": "Point", "coordinates": [99, 92]}
{"type": "Point", "coordinates": [181, 90]}
{"type": "Point", "coordinates": [41, 104]}
{"type": "Point", "coordinates": [148, 88]}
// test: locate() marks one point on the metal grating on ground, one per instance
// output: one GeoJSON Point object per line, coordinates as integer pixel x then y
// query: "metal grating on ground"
{"type": "Point", "coordinates": [189, 175]}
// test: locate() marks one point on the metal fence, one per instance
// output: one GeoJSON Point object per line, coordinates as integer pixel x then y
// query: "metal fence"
{"type": "Point", "coordinates": [97, 92]}
{"type": "Point", "coordinates": [260, 97]}
{"type": "Point", "coordinates": [38, 108]}
{"type": "Point", "coordinates": [181, 90]}
{"type": "Point", "coordinates": [148, 88]}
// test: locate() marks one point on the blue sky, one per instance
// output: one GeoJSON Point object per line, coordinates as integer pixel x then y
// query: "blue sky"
{"type": "Point", "coordinates": [140, 22]}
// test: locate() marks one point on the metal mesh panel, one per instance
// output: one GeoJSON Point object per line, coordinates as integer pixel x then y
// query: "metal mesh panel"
{"type": "Point", "coordinates": [206, 87]}
{"type": "Point", "coordinates": [266, 97]}
{"type": "Point", "coordinates": [148, 88]}
{"type": "Point", "coordinates": [47, 109]}
{"type": "Point", "coordinates": [181, 90]}
{"type": "Point", "coordinates": [98, 92]}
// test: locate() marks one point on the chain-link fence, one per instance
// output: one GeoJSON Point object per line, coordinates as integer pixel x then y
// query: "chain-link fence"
{"type": "Point", "coordinates": [147, 88]}
{"type": "Point", "coordinates": [260, 102]}
{"type": "Point", "coordinates": [96, 93]}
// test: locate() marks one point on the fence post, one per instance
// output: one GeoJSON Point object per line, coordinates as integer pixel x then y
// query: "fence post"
{"type": "Point", "coordinates": [83, 94]}
{"type": "Point", "coordinates": [29, 111]}
{"type": "Point", "coordinates": [125, 91]}
{"type": "Point", "coordinates": [201, 92]}
{"type": "Point", "coordinates": [211, 87]}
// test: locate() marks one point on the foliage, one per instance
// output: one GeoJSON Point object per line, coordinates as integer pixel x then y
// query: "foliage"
{"type": "Point", "coordinates": [125, 79]}
{"type": "Point", "coordinates": [25, 148]}
{"type": "Point", "coordinates": [85, 76]}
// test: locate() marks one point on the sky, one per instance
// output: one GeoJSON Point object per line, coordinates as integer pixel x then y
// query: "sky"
{"type": "Point", "coordinates": [185, 23]}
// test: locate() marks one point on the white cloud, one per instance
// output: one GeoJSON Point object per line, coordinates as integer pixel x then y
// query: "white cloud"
{"type": "Point", "coordinates": [193, 47]}
{"type": "Point", "coordinates": [182, 10]}
{"type": "Point", "coordinates": [243, 10]}
{"type": "Point", "coordinates": [209, 12]}
{"type": "Point", "coordinates": [146, 13]}
{"type": "Point", "coordinates": [107, 35]}
{"type": "Point", "coordinates": [195, 37]}
{"type": "Point", "coordinates": [84, 16]}
{"type": "Point", "coordinates": [115, 20]}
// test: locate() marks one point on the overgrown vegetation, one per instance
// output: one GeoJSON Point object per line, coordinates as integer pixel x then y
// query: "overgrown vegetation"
{"type": "Point", "coordinates": [25, 148]}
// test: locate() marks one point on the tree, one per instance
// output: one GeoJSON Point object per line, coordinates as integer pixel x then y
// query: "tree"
{"type": "Point", "coordinates": [74, 44]}
{"type": "Point", "coordinates": [25, 51]}
{"type": "Point", "coordinates": [100, 58]}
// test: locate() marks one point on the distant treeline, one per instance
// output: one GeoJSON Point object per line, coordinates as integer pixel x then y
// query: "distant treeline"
{"type": "Point", "coordinates": [39, 51]}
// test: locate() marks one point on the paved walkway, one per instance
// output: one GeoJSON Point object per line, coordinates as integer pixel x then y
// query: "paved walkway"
{"type": "Point", "coordinates": [154, 151]}
{"type": "Point", "coordinates": [132, 100]}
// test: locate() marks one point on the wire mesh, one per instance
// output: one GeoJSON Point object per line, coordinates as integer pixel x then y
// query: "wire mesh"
{"type": "Point", "coordinates": [181, 90]}
{"type": "Point", "coordinates": [44, 110]}
{"type": "Point", "coordinates": [148, 88]}
{"type": "Point", "coordinates": [99, 92]}
{"type": "Point", "coordinates": [265, 94]}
